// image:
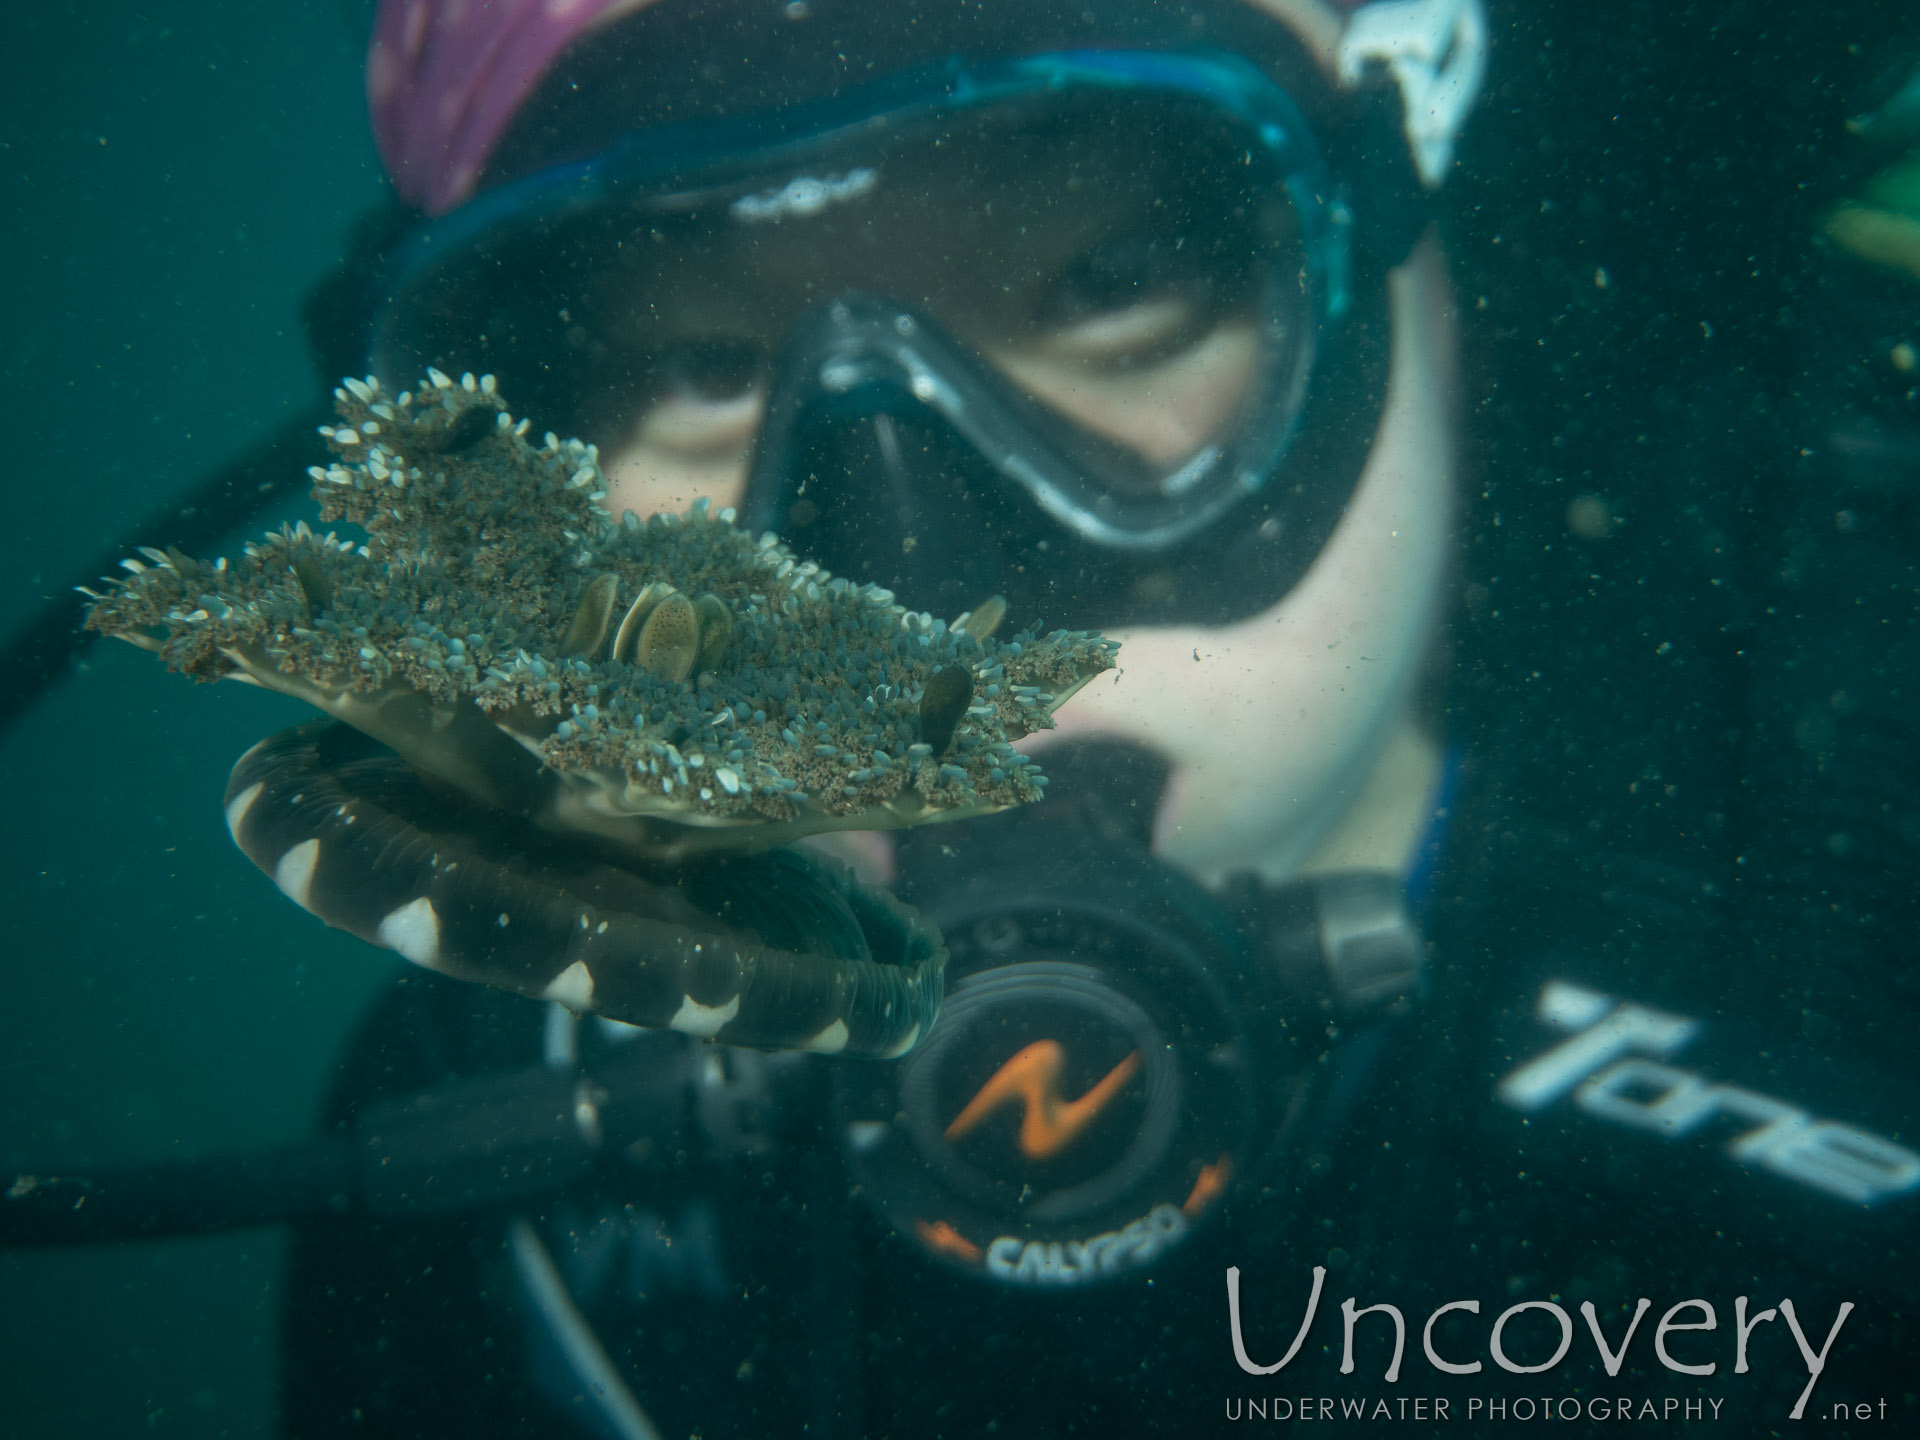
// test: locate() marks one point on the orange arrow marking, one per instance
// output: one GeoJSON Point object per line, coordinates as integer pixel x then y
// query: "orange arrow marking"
{"type": "Point", "coordinates": [1031, 1079]}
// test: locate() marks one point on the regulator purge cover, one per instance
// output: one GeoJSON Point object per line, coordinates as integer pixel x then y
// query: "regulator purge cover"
{"type": "Point", "coordinates": [1085, 1100]}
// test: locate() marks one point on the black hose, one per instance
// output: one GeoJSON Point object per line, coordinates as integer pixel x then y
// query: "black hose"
{"type": "Point", "coordinates": [486, 1140]}
{"type": "Point", "coordinates": [36, 656]}
{"type": "Point", "coordinates": [180, 1197]}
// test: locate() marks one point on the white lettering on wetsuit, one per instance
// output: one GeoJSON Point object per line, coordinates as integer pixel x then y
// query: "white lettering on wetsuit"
{"type": "Point", "coordinates": [1612, 1065]}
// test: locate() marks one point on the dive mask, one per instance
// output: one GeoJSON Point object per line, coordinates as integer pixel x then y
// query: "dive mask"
{"type": "Point", "coordinates": [1043, 326]}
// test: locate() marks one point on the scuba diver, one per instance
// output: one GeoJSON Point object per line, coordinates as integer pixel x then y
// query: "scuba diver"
{"type": "Point", "coordinates": [1131, 317]}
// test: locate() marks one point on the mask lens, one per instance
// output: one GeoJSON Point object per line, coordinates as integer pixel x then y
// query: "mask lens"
{"type": "Point", "coordinates": [1131, 262]}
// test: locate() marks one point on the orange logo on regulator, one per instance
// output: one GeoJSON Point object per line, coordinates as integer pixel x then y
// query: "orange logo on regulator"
{"type": "Point", "coordinates": [1031, 1079]}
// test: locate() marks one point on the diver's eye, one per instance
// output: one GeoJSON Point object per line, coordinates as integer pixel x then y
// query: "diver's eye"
{"type": "Point", "coordinates": [1109, 277]}
{"type": "Point", "coordinates": [702, 401]}
{"type": "Point", "coordinates": [1126, 302]}
{"type": "Point", "coordinates": [708, 371]}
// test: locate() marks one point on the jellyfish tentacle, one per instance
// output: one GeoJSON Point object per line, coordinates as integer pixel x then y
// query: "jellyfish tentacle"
{"type": "Point", "coordinates": [353, 834]}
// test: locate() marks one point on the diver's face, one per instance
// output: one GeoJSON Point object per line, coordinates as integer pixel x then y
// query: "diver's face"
{"type": "Point", "coordinates": [1272, 726]}
{"type": "Point", "coordinates": [1082, 280]}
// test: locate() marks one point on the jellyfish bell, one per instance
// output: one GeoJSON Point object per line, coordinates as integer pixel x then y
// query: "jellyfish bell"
{"type": "Point", "coordinates": [567, 751]}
